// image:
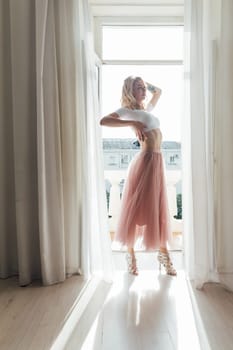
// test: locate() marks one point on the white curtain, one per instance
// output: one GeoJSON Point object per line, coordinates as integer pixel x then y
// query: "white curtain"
{"type": "Point", "coordinates": [52, 224]}
{"type": "Point", "coordinates": [208, 142]}
{"type": "Point", "coordinates": [95, 224]}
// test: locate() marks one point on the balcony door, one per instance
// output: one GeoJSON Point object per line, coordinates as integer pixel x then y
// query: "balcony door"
{"type": "Point", "coordinates": [156, 54]}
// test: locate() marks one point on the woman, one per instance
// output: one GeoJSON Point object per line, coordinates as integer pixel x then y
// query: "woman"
{"type": "Point", "coordinates": [144, 209]}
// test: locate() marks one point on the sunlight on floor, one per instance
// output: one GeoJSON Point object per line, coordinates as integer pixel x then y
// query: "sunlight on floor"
{"type": "Point", "coordinates": [185, 320]}
{"type": "Point", "coordinates": [89, 342]}
{"type": "Point", "coordinates": [197, 316]}
{"type": "Point", "coordinates": [149, 311]}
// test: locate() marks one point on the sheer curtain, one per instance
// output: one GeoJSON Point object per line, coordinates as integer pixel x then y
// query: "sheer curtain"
{"type": "Point", "coordinates": [207, 141]}
{"type": "Point", "coordinates": [95, 215]}
{"type": "Point", "coordinates": [49, 218]}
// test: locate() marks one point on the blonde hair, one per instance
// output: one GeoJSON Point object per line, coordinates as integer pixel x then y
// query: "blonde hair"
{"type": "Point", "coordinates": [127, 98]}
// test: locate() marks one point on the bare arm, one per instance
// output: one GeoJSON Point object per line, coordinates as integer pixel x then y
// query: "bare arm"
{"type": "Point", "coordinates": [113, 120]}
{"type": "Point", "coordinates": [156, 93]}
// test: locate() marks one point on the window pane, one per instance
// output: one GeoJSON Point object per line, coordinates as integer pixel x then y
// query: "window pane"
{"type": "Point", "coordinates": [169, 108]}
{"type": "Point", "coordinates": [144, 42]}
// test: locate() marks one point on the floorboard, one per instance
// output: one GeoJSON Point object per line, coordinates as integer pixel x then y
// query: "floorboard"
{"type": "Point", "coordinates": [154, 311]}
{"type": "Point", "coordinates": [149, 311]}
{"type": "Point", "coordinates": [32, 317]}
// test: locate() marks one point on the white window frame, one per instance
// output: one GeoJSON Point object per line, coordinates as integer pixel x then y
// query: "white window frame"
{"type": "Point", "coordinates": [99, 22]}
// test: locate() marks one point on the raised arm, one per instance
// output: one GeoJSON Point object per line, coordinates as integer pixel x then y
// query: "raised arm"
{"type": "Point", "coordinates": [156, 93]}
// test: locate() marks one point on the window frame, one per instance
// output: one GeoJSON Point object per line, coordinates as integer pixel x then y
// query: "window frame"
{"type": "Point", "coordinates": [99, 22]}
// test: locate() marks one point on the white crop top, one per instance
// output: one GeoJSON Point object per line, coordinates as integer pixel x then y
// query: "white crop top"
{"type": "Point", "coordinates": [140, 115]}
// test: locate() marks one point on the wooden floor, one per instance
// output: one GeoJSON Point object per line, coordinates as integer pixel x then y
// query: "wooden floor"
{"type": "Point", "coordinates": [150, 311]}
{"type": "Point", "coordinates": [32, 317]}
{"type": "Point", "coordinates": [156, 311]}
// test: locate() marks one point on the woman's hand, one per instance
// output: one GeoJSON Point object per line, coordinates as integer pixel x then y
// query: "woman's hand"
{"type": "Point", "coordinates": [150, 87]}
{"type": "Point", "coordinates": [139, 130]}
{"type": "Point", "coordinates": [156, 93]}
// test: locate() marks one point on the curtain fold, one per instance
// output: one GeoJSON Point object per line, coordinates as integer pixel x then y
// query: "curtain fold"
{"type": "Point", "coordinates": [21, 217]}
{"type": "Point", "coordinates": [224, 202]}
{"type": "Point", "coordinates": [205, 146]}
{"type": "Point", "coordinates": [8, 249]}
{"type": "Point", "coordinates": [95, 224]}
{"type": "Point", "coordinates": [48, 227]}
{"type": "Point", "coordinates": [50, 175]}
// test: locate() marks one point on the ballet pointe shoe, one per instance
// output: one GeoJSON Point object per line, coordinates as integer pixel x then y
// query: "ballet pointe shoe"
{"type": "Point", "coordinates": [132, 264]}
{"type": "Point", "coordinates": [164, 259]}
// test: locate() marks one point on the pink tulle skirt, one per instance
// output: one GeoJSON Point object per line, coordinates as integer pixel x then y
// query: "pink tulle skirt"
{"type": "Point", "coordinates": [144, 207]}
